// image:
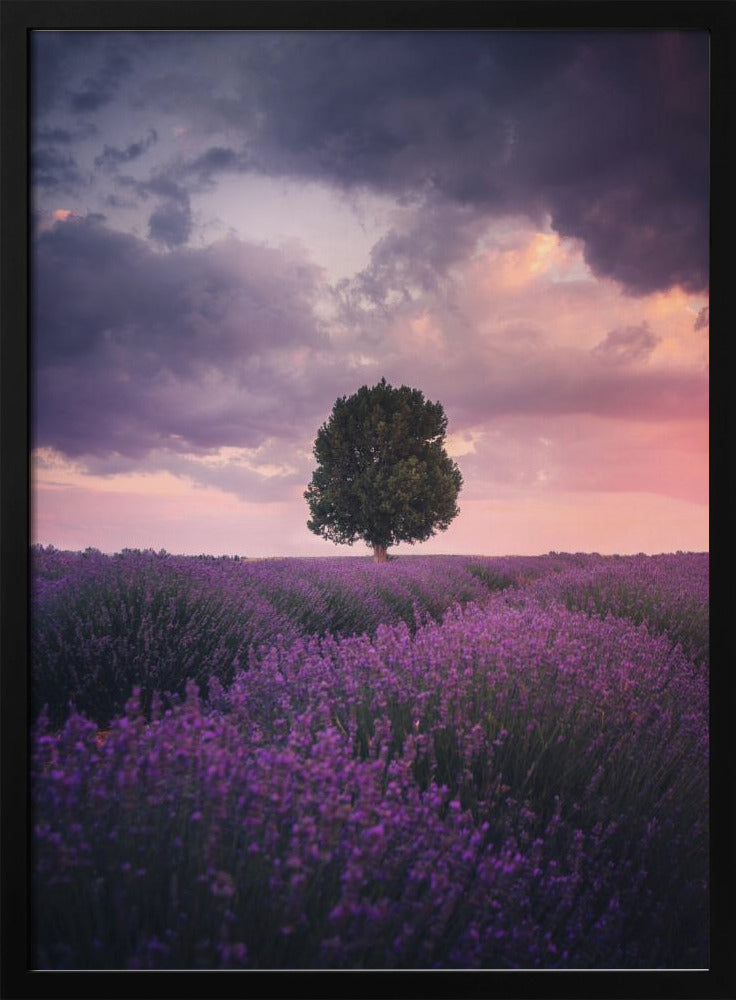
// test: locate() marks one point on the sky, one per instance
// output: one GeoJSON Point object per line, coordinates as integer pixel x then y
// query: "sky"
{"type": "Point", "coordinates": [230, 230]}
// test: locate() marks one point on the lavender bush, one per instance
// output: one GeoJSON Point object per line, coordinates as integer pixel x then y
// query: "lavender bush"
{"type": "Point", "coordinates": [516, 786]}
{"type": "Point", "coordinates": [102, 625]}
{"type": "Point", "coordinates": [110, 624]}
{"type": "Point", "coordinates": [668, 592]}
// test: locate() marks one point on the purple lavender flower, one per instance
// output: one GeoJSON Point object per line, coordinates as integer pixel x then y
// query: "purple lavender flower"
{"type": "Point", "coordinates": [511, 784]}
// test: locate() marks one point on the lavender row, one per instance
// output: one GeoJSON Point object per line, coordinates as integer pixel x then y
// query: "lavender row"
{"type": "Point", "coordinates": [514, 787]}
{"type": "Point", "coordinates": [670, 593]}
{"type": "Point", "coordinates": [101, 625]}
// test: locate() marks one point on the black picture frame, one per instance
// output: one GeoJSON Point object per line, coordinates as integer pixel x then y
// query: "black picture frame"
{"type": "Point", "coordinates": [18, 18]}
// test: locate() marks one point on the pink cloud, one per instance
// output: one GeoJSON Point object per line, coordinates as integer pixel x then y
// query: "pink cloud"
{"type": "Point", "coordinates": [589, 455]}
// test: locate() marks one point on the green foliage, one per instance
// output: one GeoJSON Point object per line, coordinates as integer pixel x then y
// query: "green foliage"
{"type": "Point", "coordinates": [383, 474]}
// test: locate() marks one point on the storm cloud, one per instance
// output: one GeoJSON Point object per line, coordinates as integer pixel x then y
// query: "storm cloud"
{"type": "Point", "coordinates": [605, 133]}
{"type": "Point", "coordinates": [52, 168]}
{"type": "Point", "coordinates": [135, 349]}
{"type": "Point", "coordinates": [112, 156]}
{"type": "Point", "coordinates": [515, 123]}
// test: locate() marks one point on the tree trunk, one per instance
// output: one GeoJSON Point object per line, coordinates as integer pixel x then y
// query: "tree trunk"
{"type": "Point", "coordinates": [379, 553]}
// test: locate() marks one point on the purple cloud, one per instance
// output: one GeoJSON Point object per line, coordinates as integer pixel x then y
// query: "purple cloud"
{"type": "Point", "coordinates": [171, 223]}
{"type": "Point", "coordinates": [702, 321]}
{"type": "Point", "coordinates": [112, 156]}
{"type": "Point", "coordinates": [188, 349]}
{"type": "Point", "coordinates": [605, 133]}
{"type": "Point", "coordinates": [216, 160]}
{"type": "Point", "coordinates": [52, 168]}
{"type": "Point", "coordinates": [626, 345]}
{"type": "Point", "coordinates": [98, 90]}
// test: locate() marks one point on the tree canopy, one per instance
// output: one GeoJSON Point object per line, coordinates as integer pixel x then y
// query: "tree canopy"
{"type": "Point", "coordinates": [383, 474]}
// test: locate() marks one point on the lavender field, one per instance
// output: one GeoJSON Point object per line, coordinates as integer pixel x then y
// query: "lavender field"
{"type": "Point", "coordinates": [435, 762]}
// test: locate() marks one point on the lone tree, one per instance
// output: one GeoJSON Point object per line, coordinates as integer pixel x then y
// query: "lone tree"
{"type": "Point", "coordinates": [383, 474]}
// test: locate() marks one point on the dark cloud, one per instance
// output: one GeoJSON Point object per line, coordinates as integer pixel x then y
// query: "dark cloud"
{"type": "Point", "coordinates": [170, 224]}
{"type": "Point", "coordinates": [51, 168]}
{"type": "Point", "coordinates": [605, 133]}
{"type": "Point", "coordinates": [64, 136]}
{"type": "Point", "coordinates": [112, 156]}
{"type": "Point", "coordinates": [51, 55]}
{"type": "Point", "coordinates": [214, 161]}
{"type": "Point", "coordinates": [136, 350]}
{"type": "Point", "coordinates": [99, 89]}
{"type": "Point", "coordinates": [645, 246]}
{"type": "Point", "coordinates": [115, 201]}
{"type": "Point", "coordinates": [626, 345]}
{"type": "Point", "coordinates": [179, 177]}
{"type": "Point", "coordinates": [161, 184]}
{"type": "Point", "coordinates": [702, 321]}
{"type": "Point", "coordinates": [80, 71]}
{"type": "Point", "coordinates": [388, 110]}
